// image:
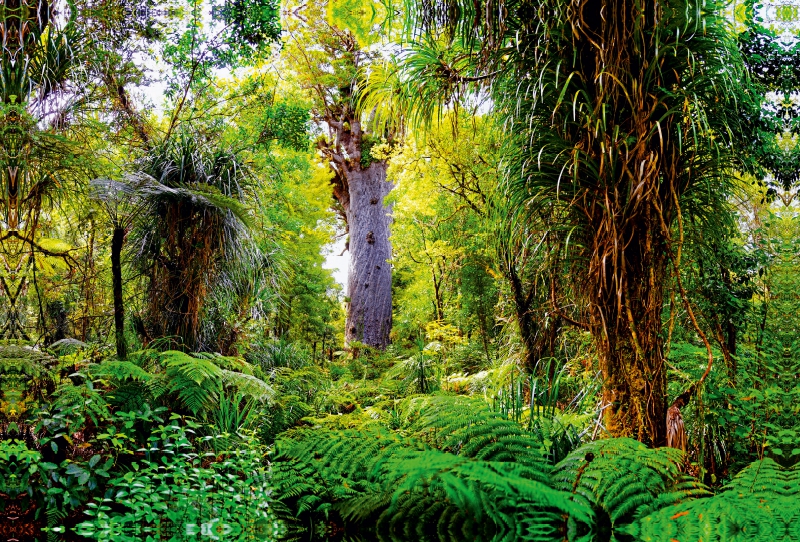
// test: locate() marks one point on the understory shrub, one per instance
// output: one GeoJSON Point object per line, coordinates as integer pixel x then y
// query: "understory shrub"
{"type": "Point", "coordinates": [181, 489]}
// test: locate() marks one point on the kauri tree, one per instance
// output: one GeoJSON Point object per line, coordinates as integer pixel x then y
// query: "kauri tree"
{"type": "Point", "coordinates": [330, 60]}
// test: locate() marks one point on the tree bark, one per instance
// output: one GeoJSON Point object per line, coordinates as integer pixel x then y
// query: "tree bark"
{"type": "Point", "coordinates": [117, 240]}
{"type": "Point", "coordinates": [522, 307]}
{"type": "Point", "coordinates": [369, 283]}
{"type": "Point", "coordinates": [627, 321]}
{"type": "Point", "coordinates": [360, 186]}
{"type": "Point", "coordinates": [632, 203]}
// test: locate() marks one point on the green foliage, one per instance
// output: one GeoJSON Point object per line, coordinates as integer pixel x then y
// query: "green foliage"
{"type": "Point", "coordinates": [184, 493]}
{"type": "Point", "coordinates": [286, 124]}
{"type": "Point", "coordinates": [271, 355]}
{"type": "Point", "coordinates": [196, 381]}
{"type": "Point", "coordinates": [372, 477]}
{"type": "Point", "coordinates": [281, 415]}
{"type": "Point", "coordinates": [759, 504]}
{"type": "Point", "coordinates": [441, 234]}
{"type": "Point", "coordinates": [449, 461]}
{"type": "Point", "coordinates": [623, 480]}
{"type": "Point", "coordinates": [560, 430]}
{"type": "Point", "coordinates": [466, 426]}
{"type": "Point", "coordinates": [419, 373]}
{"type": "Point", "coordinates": [193, 218]}
{"type": "Point", "coordinates": [235, 415]}
{"type": "Point", "coordinates": [577, 215]}
{"type": "Point", "coordinates": [367, 144]}
{"type": "Point", "coordinates": [250, 27]}
{"type": "Point", "coordinates": [26, 377]}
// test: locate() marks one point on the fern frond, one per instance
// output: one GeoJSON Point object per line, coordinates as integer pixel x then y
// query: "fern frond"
{"type": "Point", "coordinates": [198, 370]}
{"type": "Point", "coordinates": [760, 503]}
{"type": "Point", "coordinates": [373, 476]}
{"type": "Point", "coordinates": [120, 371]}
{"type": "Point", "coordinates": [130, 396]}
{"type": "Point", "coordinates": [466, 426]}
{"type": "Point", "coordinates": [248, 385]}
{"type": "Point", "coordinates": [623, 478]}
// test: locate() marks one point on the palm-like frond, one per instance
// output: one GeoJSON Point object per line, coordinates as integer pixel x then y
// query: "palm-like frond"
{"type": "Point", "coordinates": [248, 385]}
{"type": "Point", "coordinates": [416, 86]}
{"type": "Point", "coordinates": [194, 220]}
{"type": "Point", "coordinates": [120, 370]}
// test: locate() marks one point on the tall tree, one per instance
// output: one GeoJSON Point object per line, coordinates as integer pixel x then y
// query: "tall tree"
{"type": "Point", "coordinates": [194, 219]}
{"type": "Point", "coordinates": [627, 113]}
{"type": "Point", "coordinates": [329, 58]}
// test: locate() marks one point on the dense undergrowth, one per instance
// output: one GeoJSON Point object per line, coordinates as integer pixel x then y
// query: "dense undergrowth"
{"type": "Point", "coordinates": [168, 445]}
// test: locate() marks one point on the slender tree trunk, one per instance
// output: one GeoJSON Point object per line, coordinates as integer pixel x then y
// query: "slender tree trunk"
{"type": "Point", "coordinates": [522, 307]}
{"type": "Point", "coordinates": [117, 240]}
{"type": "Point", "coordinates": [729, 349]}
{"type": "Point", "coordinates": [88, 287]}
{"type": "Point", "coordinates": [437, 294]}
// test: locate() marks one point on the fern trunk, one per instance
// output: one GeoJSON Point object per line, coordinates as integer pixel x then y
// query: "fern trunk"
{"type": "Point", "coordinates": [117, 240]}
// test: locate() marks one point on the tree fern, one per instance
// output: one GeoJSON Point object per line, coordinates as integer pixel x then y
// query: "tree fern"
{"type": "Point", "coordinates": [193, 380]}
{"type": "Point", "coordinates": [28, 372]}
{"type": "Point", "coordinates": [131, 396]}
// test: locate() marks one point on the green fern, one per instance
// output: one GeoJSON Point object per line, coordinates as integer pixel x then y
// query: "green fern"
{"type": "Point", "coordinates": [467, 427]}
{"type": "Point", "coordinates": [120, 370]}
{"type": "Point", "coordinates": [83, 403]}
{"type": "Point", "coordinates": [622, 480]}
{"type": "Point", "coordinates": [760, 504]}
{"type": "Point", "coordinates": [377, 478]}
{"type": "Point", "coordinates": [130, 396]}
{"type": "Point", "coordinates": [55, 517]}
{"type": "Point", "coordinates": [194, 381]}
{"type": "Point", "coordinates": [447, 468]}
{"type": "Point", "coordinates": [26, 375]}
{"type": "Point", "coordinates": [282, 414]}
{"type": "Point", "coordinates": [248, 385]}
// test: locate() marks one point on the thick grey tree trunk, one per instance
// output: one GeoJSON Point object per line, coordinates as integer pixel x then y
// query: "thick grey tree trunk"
{"type": "Point", "coordinates": [360, 188]}
{"type": "Point", "coordinates": [369, 283]}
